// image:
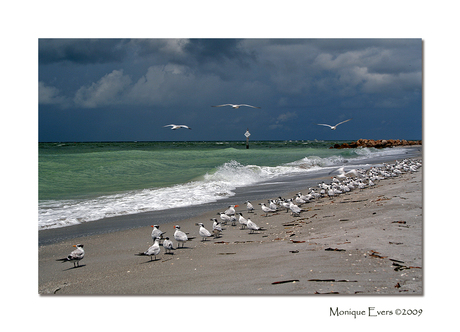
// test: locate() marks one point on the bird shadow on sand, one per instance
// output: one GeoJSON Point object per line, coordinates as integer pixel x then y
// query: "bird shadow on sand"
{"type": "Point", "coordinates": [151, 261]}
{"type": "Point", "coordinates": [261, 229]}
{"type": "Point", "coordinates": [74, 267]}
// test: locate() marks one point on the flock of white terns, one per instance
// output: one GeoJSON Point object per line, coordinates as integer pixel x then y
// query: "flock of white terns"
{"type": "Point", "coordinates": [342, 183]}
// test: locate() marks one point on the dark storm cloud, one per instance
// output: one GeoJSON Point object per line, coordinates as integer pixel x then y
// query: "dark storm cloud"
{"type": "Point", "coordinates": [225, 58]}
{"type": "Point", "coordinates": [295, 81]}
{"type": "Point", "coordinates": [194, 50]}
{"type": "Point", "coordinates": [378, 55]}
{"type": "Point", "coordinates": [81, 51]}
{"type": "Point", "coordinates": [160, 50]}
{"type": "Point", "coordinates": [205, 50]}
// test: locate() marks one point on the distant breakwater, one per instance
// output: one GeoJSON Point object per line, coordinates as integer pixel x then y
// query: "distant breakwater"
{"type": "Point", "coordinates": [378, 144]}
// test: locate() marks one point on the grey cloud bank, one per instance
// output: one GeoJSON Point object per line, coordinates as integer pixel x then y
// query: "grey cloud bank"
{"type": "Point", "coordinates": [121, 89]}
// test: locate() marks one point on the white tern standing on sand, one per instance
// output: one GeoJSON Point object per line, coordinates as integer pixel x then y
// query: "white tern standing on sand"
{"type": "Point", "coordinates": [180, 236]}
{"type": "Point", "coordinates": [249, 206]}
{"type": "Point", "coordinates": [225, 218]}
{"type": "Point", "coordinates": [168, 245]}
{"type": "Point", "coordinates": [266, 209]}
{"type": "Point", "coordinates": [156, 233]}
{"type": "Point", "coordinates": [75, 256]}
{"type": "Point", "coordinates": [252, 226]}
{"type": "Point", "coordinates": [231, 210]}
{"type": "Point", "coordinates": [204, 233]}
{"type": "Point", "coordinates": [154, 250]}
{"type": "Point", "coordinates": [216, 227]}
{"type": "Point", "coordinates": [243, 221]}
{"type": "Point", "coordinates": [294, 208]}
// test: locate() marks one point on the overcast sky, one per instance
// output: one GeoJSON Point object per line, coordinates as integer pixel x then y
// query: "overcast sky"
{"type": "Point", "coordinates": [128, 89]}
{"type": "Point", "coordinates": [328, 83]}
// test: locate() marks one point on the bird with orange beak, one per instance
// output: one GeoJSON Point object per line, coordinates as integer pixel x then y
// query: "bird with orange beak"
{"type": "Point", "coordinates": [156, 233]}
{"type": "Point", "coordinates": [75, 256]}
{"type": "Point", "coordinates": [231, 210]}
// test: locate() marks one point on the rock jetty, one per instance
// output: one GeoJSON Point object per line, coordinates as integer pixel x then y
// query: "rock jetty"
{"type": "Point", "coordinates": [378, 144]}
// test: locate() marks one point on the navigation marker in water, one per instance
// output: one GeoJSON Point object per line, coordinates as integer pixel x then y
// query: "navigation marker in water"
{"type": "Point", "coordinates": [247, 134]}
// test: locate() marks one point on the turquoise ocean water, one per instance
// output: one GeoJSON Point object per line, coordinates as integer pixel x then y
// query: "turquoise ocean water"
{"type": "Point", "coordinates": [81, 182]}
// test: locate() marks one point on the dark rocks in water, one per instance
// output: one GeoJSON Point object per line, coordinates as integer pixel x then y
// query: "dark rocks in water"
{"type": "Point", "coordinates": [378, 144]}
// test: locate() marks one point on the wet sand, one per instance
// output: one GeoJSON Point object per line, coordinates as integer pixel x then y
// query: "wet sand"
{"type": "Point", "coordinates": [364, 242]}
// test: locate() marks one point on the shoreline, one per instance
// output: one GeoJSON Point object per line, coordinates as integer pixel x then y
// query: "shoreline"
{"type": "Point", "coordinates": [364, 242]}
{"type": "Point", "coordinates": [263, 190]}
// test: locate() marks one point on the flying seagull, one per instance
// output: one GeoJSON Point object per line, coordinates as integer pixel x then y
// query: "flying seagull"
{"type": "Point", "coordinates": [235, 106]}
{"type": "Point", "coordinates": [174, 127]}
{"type": "Point", "coordinates": [333, 127]}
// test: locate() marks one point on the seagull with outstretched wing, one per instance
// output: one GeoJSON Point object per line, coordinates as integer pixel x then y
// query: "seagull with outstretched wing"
{"type": "Point", "coordinates": [174, 127]}
{"type": "Point", "coordinates": [235, 106]}
{"type": "Point", "coordinates": [333, 127]}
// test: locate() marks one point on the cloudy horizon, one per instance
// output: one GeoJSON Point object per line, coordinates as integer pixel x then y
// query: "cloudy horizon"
{"type": "Point", "coordinates": [128, 89]}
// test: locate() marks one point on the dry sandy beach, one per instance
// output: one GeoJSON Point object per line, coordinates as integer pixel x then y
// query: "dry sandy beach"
{"type": "Point", "coordinates": [365, 242]}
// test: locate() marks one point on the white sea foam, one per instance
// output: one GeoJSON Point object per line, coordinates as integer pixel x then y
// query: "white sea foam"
{"type": "Point", "coordinates": [212, 187]}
